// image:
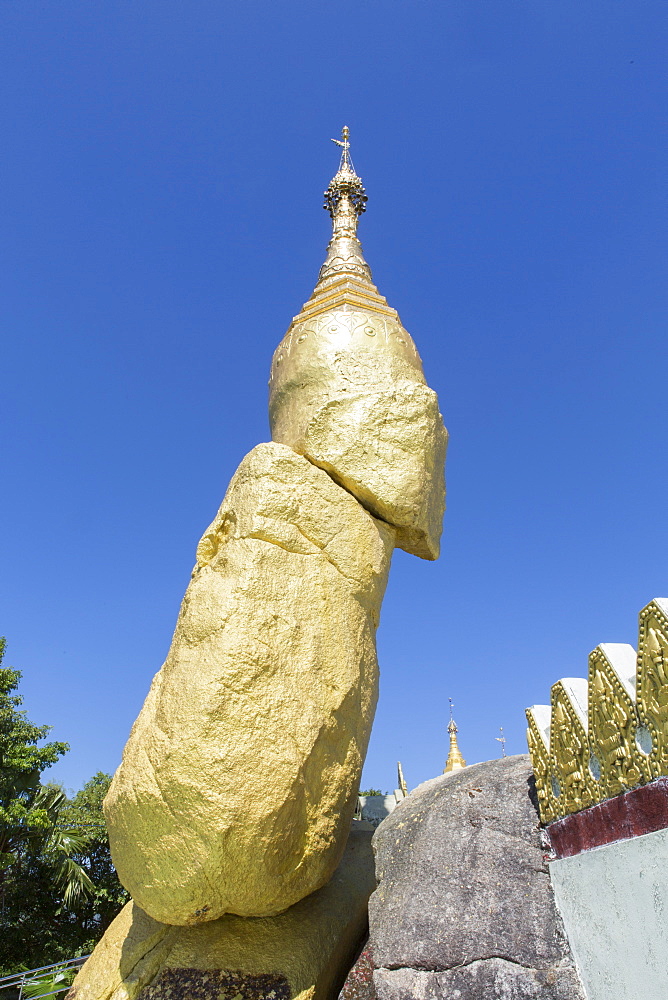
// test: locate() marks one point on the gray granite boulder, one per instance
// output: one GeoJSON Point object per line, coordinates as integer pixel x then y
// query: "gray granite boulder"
{"type": "Point", "coordinates": [464, 906]}
{"type": "Point", "coordinates": [489, 979]}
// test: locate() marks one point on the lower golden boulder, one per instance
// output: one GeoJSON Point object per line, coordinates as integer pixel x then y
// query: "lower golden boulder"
{"type": "Point", "coordinates": [239, 780]}
{"type": "Point", "coordinates": [302, 954]}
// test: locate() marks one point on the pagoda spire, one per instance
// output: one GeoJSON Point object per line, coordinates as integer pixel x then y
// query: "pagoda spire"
{"type": "Point", "coordinates": [455, 761]}
{"type": "Point", "coordinates": [403, 787]}
{"type": "Point", "coordinates": [345, 200]}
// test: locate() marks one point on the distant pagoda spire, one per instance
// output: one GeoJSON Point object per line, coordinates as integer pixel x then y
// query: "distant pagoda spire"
{"type": "Point", "coordinates": [400, 777]}
{"type": "Point", "coordinates": [345, 200]}
{"type": "Point", "coordinates": [455, 761]}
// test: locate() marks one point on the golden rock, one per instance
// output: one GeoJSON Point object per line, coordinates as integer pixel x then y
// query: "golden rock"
{"type": "Point", "coordinates": [239, 780]}
{"type": "Point", "coordinates": [303, 953]}
{"type": "Point", "coordinates": [347, 389]}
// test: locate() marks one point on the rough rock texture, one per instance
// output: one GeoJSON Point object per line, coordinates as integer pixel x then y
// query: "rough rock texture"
{"type": "Point", "coordinates": [359, 981]}
{"type": "Point", "coordinates": [239, 780]}
{"type": "Point", "coordinates": [464, 901]}
{"type": "Point", "coordinates": [303, 953]}
{"type": "Point", "coordinates": [369, 419]}
{"type": "Point", "coordinates": [491, 979]}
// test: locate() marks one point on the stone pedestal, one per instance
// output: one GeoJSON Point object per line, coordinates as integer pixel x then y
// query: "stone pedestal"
{"type": "Point", "coordinates": [301, 954]}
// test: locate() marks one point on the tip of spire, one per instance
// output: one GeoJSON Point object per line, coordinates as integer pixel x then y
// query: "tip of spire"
{"type": "Point", "coordinates": [345, 200]}
{"type": "Point", "coordinates": [345, 164]}
{"type": "Point", "coordinates": [346, 182]}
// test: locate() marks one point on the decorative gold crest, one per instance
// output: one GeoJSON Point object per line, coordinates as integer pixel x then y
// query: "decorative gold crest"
{"type": "Point", "coordinates": [538, 738]}
{"type": "Point", "coordinates": [575, 786]}
{"type": "Point", "coordinates": [607, 734]}
{"type": "Point", "coordinates": [613, 721]}
{"type": "Point", "coordinates": [652, 686]}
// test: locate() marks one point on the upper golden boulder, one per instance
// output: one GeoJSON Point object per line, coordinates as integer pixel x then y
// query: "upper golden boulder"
{"type": "Point", "coordinates": [348, 392]}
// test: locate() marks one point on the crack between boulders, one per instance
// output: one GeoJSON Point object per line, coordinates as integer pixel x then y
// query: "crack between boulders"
{"type": "Point", "coordinates": [463, 965]}
{"type": "Point", "coordinates": [146, 955]}
{"type": "Point", "coordinates": [364, 506]}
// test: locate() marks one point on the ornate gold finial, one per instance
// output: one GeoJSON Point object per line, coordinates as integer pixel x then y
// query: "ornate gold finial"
{"type": "Point", "coordinates": [344, 142]}
{"type": "Point", "coordinates": [455, 761]}
{"type": "Point", "coordinates": [345, 200]}
{"type": "Point", "coordinates": [402, 781]}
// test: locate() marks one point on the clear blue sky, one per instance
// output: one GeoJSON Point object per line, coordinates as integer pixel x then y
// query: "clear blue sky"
{"type": "Point", "coordinates": [161, 223]}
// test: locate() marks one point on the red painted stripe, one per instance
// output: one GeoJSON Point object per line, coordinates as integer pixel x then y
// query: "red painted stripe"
{"type": "Point", "coordinates": [631, 814]}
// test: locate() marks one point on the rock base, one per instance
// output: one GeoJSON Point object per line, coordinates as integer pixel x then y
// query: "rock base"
{"type": "Point", "coordinates": [464, 906]}
{"type": "Point", "coordinates": [492, 977]}
{"type": "Point", "coordinates": [301, 954]}
{"type": "Point", "coordinates": [359, 981]}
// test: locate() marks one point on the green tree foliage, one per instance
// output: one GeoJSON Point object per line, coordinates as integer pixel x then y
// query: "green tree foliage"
{"type": "Point", "coordinates": [84, 814]}
{"type": "Point", "coordinates": [38, 926]}
{"type": "Point", "coordinates": [52, 982]}
{"type": "Point", "coordinates": [58, 887]}
{"type": "Point", "coordinates": [21, 766]}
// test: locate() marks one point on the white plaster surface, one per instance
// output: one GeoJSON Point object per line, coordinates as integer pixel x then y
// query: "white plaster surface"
{"type": "Point", "coordinates": [623, 659]}
{"type": "Point", "coordinates": [614, 904]}
{"type": "Point", "coordinates": [374, 808]}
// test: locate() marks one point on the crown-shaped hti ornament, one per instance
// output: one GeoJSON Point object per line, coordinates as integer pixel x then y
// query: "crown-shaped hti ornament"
{"type": "Point", "coordinates": [345, 200]}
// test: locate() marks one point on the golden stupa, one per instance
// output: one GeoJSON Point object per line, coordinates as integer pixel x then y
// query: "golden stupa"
{"type": "Point", "coordinates": [346, 309]}
{"type": "Point", "coordinates": [234, 798]}
{"type": "Point", "coordinates": [455, 761]}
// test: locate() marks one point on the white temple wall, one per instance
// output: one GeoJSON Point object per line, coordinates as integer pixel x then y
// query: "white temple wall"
{"type": "Point", "coordinates": [614, 904]}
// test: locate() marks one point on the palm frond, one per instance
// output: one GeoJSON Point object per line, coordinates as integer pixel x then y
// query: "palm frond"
{"type": "Point", "coordinates": [50, 798]}
{"type": "Point", "coordinates": [40, 986]}
{"type": "Point", "coordinates": [66, 840]}
{"type": "Point", "coordinates": [75, 882]}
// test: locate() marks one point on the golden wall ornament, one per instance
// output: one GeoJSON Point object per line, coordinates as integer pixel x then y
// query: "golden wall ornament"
{"type": "Point", "coordinates": [652, 685]}
{"type": "Point", "coordinates": [569, 747]}
{"type": "Point", "coordinates": [609, 733]}
{"type": "Point", "coordinates": [538, 738]}
{"type": "Point", "coordinates": [613, 720]}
